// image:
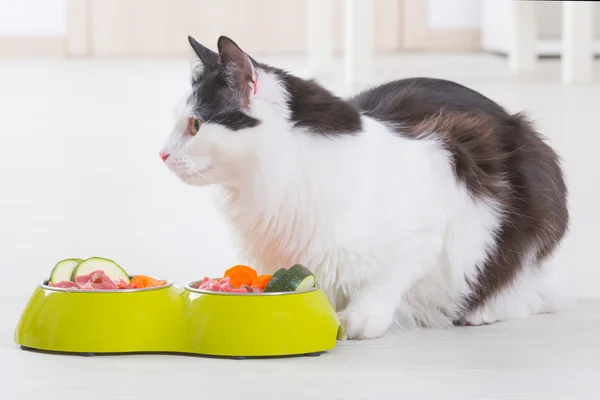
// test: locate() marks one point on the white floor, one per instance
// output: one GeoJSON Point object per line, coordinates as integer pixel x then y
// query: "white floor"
{"type": "Point", "coordinates": [81, 176]}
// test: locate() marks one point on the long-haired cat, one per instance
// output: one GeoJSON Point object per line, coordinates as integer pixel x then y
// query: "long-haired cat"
{"type": "Point", "coordinates": [419, 202]}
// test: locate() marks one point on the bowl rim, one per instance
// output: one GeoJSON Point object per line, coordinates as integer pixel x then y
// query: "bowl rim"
{"type": "Point", "coordinates": [189, 288]}
{"type": "Point", "coordinates": [44, 285]}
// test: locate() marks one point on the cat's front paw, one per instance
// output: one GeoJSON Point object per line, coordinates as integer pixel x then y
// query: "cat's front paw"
{"type": "Point", "coordinates": [358, 325]}
{"type": "Point", "coordinates": [482, 317]}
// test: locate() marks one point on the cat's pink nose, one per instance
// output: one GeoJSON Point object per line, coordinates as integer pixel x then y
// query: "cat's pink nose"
{"type": "Point", "coordinates": [164, 156]}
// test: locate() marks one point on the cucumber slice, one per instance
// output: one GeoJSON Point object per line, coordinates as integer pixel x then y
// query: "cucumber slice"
{"type": "Point", "coordinates": [110, 268]}
{"type": "Point", "coordinates": [297, 278]}
{"type": "Point", "coordinates": [63, 270]}
{"type": "Point", "coordinates": [301, 278]}
{"type": "Point", "coordinates": [276, 276]}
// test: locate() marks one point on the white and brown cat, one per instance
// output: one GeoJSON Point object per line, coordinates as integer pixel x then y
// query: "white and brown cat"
{"type": "Point", "coordinates": [419, 202]}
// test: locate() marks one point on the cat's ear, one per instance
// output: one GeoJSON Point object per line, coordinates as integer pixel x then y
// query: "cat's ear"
{"type": "Point", "coordinates": [209, 58]}
{"type": "Point", "coordinates": [237, 68]}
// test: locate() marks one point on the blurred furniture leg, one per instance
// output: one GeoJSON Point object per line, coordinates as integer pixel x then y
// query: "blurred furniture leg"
{"type": "Point", "coordinates": [358, 41]}
{"type": "Point", "coordinates": [320, 40]}
{"type": "Point", "coordinates": [522, 55]}
{"type": "Point", "coordinates": [577, 57]}
{"type": "Point", "coordinates": [78, 28]}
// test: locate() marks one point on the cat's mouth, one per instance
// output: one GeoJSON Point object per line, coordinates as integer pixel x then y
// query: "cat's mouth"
{"type": "Point", "coordinates": [197, 177]}
{"type": "Point", "coordinates": [193, 172]}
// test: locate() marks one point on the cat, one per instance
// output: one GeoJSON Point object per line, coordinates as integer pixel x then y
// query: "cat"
{"type": "Point", "coordinates": [416, 203]}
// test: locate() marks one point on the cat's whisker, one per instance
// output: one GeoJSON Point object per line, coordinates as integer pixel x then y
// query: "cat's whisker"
{"type": "Point", "coordinates": [217, 171]}
{"type": "Point", "coordinates": [200, 174]}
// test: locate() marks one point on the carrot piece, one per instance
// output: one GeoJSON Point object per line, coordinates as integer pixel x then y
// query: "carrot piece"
{"type": "Point", "coordinates": [143, 281]}
{"type": "Point", "coordinates": [240, 278]}
{"type": "Point", "coordinates": [261, 281]}
{"type": "Point", "coordinates": [139, 281]}
{"type": "Point", "coordinates": [241, 268]}
{"type": "Point", "coordinates": [155, 282]}
{"type": "Point", "coordinates": [240, 275]}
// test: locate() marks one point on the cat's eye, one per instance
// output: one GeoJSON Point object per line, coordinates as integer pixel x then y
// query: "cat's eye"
{"type": "Point", "coordinates": [195, 125]}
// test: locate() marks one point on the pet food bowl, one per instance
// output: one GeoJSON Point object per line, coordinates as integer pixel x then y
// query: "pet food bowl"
{"type": "Point", "coordinates": [104, 321]}
{"type": "Point", "coordinates": [169, 319]}
{"type": "Point", "coordinates": [260, 324]}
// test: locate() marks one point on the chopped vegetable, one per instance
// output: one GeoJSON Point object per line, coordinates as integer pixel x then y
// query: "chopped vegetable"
{"type": "Point", "coordinates": [241, 268]}
{"type": "Point", "coordinates": [63, 270]}
{"type": "Point", "coordinates": [143, 281]}
{"type": "Point", "coordinates": [97, 274]}
{"type": "Point", "coordinates": [297, 278]}
{"type": "Point", "coordinates": [300, 273]}
{"type": "Point", "coordinates": [241, 275]}
{"type": "Point", "coordinates": [237, 279]}
{"type": "Point", "coordinates": [273, 281]}
{"type": "Point", "coordinates": [110, 268]}
{"type": "Point", "coordinates": [240, 279]}
{"type": "Point", "coordinates": [260, 282]}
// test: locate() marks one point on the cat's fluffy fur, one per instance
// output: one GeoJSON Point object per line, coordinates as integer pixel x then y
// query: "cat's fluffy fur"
{"type": "Point", "coordinates": [416, 203]}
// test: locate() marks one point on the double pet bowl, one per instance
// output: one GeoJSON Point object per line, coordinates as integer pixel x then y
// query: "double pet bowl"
{"type": "Point", "coordinates": [170, 319]}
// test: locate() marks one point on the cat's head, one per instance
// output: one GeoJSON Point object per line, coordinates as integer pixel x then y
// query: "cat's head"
{"type": "Point", "coordinates": [245, 120]}
{"type": "Point", "coordinates": [229, 118]}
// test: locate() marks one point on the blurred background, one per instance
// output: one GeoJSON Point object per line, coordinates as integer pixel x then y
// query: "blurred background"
{"type": "Point", "coordinates": [88, 90]}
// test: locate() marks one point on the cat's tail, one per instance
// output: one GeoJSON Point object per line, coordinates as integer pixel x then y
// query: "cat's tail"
{"type": "Point", "coordinates": [542, 170]}
{"type": "Point", "coordinates": [539, 214]}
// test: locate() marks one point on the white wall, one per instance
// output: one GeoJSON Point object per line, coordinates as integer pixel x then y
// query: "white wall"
{"type": "Point", "coordinates": [495, 17]}
{"type": "Point", "coordinates": [495, 26]}
{"type": "Point", "coordinates": [454, 14]}
{"type": "Point", "coordinates": [32, 18]}
{"type": "Point", "coordinates": [48, 17]}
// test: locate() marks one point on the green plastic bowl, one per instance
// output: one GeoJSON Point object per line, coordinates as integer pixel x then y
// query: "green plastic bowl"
{"type": "Point", "coordinates": [103, 321]}
{"type": "Point", "coordinates": [260, 324]}
{"type": "Point", "coordinates": [170, 319]}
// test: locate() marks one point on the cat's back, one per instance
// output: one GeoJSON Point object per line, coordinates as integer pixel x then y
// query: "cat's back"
{"type": "Point", "coordinates": [412, 100]}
